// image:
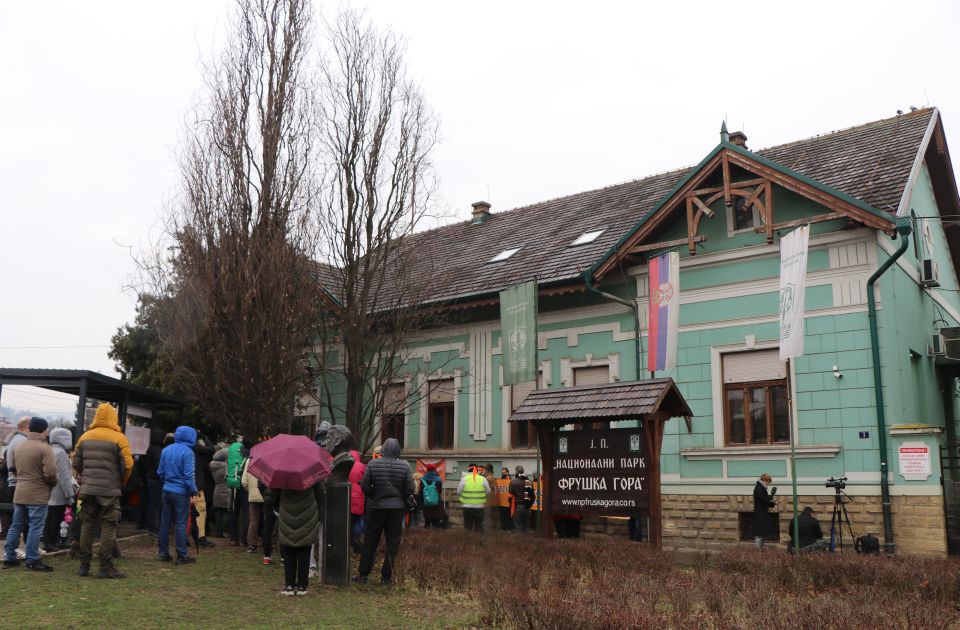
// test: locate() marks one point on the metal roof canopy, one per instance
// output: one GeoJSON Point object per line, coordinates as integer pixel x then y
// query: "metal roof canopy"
{"type": "Point", "coordinates": [86, 384]}
{"type": "Point", "coordinates": [630, 400]}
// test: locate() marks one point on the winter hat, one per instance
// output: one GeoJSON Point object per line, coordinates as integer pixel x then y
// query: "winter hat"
{"type": "Point", "coordinates": [37, 425]}
{"type": "Point", "coordinates": [431, 468]}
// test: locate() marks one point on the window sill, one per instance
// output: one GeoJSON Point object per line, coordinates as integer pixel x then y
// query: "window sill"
{"type": "Point", "coordinates": [744, 452]}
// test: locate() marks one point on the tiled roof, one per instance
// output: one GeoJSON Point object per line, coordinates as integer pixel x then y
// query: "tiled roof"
{"type": "Point", "coordinates": [871, 162]}
{"type": "Point", "coordinates": [614, 401]}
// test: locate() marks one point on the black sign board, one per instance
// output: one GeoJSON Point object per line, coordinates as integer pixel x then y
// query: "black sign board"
{"type": "Point", "coordinates": [603, 472]}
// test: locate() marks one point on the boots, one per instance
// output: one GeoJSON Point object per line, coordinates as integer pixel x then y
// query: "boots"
{"type": "Point", "coordinates": [109, 572]}
{"type": "Point", "coordinates": [84, 569]}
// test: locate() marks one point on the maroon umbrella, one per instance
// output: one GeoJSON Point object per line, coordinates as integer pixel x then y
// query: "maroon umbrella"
{"type": "Point", "coordinates": [289, 462]}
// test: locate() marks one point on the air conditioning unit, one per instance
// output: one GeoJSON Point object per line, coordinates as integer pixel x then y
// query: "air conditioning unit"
{"type": "Point", "coordinates": [951, 342]}
{"type": "Point", "coordinates": [930, 273]}
{"type": "Point", "coordinates": [936, 345]}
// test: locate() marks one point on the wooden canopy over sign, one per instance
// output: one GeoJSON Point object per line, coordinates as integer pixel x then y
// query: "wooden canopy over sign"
{"type": "Point", "coordinates": [652, 402]}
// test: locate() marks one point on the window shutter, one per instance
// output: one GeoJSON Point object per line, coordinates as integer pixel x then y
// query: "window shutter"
{"type": "Point", "coordinates": [760, 365]}
{"type": "Point", "coordinates": [519, 393]}
{"type": "Point", "coordinates": [591, 375]}
{"type": "Point", "coordinates": [441, 391]}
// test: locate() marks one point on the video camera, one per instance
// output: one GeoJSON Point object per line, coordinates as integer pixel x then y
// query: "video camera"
{"type": "Point", "coordinates": [837, 483]}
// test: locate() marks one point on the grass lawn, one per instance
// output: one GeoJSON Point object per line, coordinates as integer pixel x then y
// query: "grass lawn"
{"type": "Point", "coordinates": [226, 588]}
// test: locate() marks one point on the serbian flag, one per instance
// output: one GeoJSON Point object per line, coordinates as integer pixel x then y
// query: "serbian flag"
{"type": "Point", "coordinates": [664, 312]}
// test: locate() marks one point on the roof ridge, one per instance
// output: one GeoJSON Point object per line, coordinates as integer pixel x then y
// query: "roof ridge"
{"type": "Point", "coordinates": [913, 114]}
{"type": "Point", "coordinates": [558, 198]}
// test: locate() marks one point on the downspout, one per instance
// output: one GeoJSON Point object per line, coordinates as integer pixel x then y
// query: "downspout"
{"type": "Point", "coordinates": [903, 229]}
{"type": "Point", "coordinates": [588, 279]}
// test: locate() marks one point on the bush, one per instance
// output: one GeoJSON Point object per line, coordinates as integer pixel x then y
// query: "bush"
{"type": "Point", "coordinates": [527, 582]}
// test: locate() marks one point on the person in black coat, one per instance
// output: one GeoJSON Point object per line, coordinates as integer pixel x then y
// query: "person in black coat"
{"type": "Point", "coordinates": [811, 534]}
{"type": "Point", "coordinates": [386, 485]}
{"type": "Point", "coordinates": [203, 452]}
{"type": "Point", "coordinates": [154, 487]}
{"type": "Point", "coordinates": [762, 502]}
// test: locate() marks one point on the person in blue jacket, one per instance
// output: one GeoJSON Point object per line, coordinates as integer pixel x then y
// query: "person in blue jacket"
{"type": "Point", "coordinates": [176, 471]}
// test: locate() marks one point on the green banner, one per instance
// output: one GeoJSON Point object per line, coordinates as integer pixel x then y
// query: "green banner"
{"type": "Point", "coordinates": [518, 325]}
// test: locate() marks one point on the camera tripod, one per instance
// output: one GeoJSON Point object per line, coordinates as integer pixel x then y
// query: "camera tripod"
{"type": "Point", "coordinates": [838, 518]}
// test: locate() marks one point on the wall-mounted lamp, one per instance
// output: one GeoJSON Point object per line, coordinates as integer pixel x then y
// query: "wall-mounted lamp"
{"type": "Point", "coordinates": [836, 372]}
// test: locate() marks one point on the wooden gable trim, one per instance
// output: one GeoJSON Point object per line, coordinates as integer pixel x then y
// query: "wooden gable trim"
{"type": "Point", "coordinates": [769, 174]}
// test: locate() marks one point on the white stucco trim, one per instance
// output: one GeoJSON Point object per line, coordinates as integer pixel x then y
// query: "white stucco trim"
{"type": "Point", "coordinates": [612, 361]}
{"type": "Point", "coordinates": [904, 208]}
{"type": "Point", "coordinates": [817, 241]}
{"type": "Point", "coordinates": [759, 452]}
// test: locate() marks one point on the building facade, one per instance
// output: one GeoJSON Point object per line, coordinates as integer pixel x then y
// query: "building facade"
{"type": "Point", "coordinates": [855, 188]}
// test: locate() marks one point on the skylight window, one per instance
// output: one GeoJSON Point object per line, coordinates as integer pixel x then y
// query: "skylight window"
{"type": "Point", "coordinates": [587, 237]}
{"type": "Point", "coordinates": [507, 253]}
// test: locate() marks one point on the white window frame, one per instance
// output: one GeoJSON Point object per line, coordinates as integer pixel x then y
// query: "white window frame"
{"type": "Point", "coordinates": [716, 386]}
{"type": "Point", "coordinates": [587, 237]}
{"type": "Point", "coordinates": [757, 220]}
{"type": "Point", "coordinates": [505, 255]}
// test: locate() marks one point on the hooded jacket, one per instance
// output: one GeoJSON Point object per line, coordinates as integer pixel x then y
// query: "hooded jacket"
{"type": "Point", "coordinates": [36, 470]}
{"type": "Point", "coordinates": [218, 470]}
{"type": "Point", "coordinates": [13, 441]}
{"type": "Point", "coordinates": [388, 480]}
{"type": "Point", "coordinates": [62, 442]}
{"type": "Point", "coordinates": [102, 461]}
{"type": "Point", "coordinates": [176, 469]}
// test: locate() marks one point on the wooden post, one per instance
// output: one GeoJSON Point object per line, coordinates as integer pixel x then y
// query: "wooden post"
{"type": "Point", "coordinates": [545, 437]}
{"type": "Point", "coordinates": [653, 425]}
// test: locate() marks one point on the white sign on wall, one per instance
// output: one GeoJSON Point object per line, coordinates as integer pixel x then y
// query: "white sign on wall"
{"type": "Point", "coordinates": [914, 461]}
{"type": "Point", "coordinates": [139, 438]}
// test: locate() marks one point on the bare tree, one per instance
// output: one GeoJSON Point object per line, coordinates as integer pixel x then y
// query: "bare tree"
{"type": "Point", "coordinates": [376, 135]}
{"type": "Point", "coordinates": [243, 298]}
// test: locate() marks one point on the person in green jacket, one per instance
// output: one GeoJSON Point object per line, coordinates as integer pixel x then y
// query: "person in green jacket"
{"type": "Point", "coordinates": [298, 527]}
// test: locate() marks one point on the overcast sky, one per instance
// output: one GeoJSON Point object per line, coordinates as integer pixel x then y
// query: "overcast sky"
{"type": "Point", "coordinates": [535, 99]}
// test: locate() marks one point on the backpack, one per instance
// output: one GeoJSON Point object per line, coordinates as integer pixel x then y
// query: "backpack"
{"type": "Point", "coordinates": [431, 497]}
{"type": "Point", "coordinates": [235, 465]}
{"type": "Point", "coordinates": [528, 494]}
{"type": "Point", "coordinates": [868, 543]}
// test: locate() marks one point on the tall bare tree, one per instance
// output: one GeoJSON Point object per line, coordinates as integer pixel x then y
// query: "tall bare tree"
{"type": "Point", "coordinates": [243, 298]}
{"type": "Point", "coordinates": [376, 134]}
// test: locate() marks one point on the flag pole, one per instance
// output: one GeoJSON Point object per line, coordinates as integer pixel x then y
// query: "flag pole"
{"type": "Point", "coordinates": [793, 469]}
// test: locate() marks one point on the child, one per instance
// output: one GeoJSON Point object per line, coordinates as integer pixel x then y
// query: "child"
{"type": "Point", "coordinates": [298, 527]}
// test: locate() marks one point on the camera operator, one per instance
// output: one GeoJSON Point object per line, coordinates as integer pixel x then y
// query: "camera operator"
{"type": "Point", "coordinates": [811, 535]}
{"type": "Point", "coordinates": [762, 502]}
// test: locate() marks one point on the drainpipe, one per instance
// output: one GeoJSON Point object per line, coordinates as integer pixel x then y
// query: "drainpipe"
{"type": "Point", "coordinates": [588, 279]}
{"type": "Point", "coordinates": [903, 229]}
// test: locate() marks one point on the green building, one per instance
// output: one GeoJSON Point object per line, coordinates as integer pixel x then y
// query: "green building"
{"type": "Point", "coordinates": [588, 252]}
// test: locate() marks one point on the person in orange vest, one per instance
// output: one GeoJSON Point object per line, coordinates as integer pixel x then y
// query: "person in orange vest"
{"type": "Point", "coordinates": [473, 490]}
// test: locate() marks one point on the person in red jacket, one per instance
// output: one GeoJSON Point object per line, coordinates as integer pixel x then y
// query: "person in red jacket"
{"type": "Point", "coordinates": [356, 503]}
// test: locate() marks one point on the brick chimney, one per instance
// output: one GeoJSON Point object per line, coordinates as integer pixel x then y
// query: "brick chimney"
{"type": "Point", "coordinates": [481, 212]}
{"type": "Point", "coordinates": [738, 138]}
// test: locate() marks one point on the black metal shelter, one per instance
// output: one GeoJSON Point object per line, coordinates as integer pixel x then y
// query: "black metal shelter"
{"type": "Point", "coordinates": [86, 384]}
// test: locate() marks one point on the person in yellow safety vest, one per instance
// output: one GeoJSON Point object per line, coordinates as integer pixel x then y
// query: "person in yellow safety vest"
{"type": "Point", "coordinates": [473, 490]}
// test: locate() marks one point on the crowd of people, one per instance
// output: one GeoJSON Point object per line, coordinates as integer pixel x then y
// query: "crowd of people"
{"type": "Point", "coordinates": [65, 496]}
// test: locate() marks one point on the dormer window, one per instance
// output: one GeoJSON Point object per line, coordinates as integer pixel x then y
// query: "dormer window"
{"type": "Point", "coordinates": [587, 237]}
{"type": "Point", "coordinates": [505, 254]}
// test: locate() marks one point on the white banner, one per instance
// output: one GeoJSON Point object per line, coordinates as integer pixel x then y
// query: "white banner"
{"type": "Point", "coordinates": [793, 284]}
{"type": "Point", "coordinates": [139, 439]}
